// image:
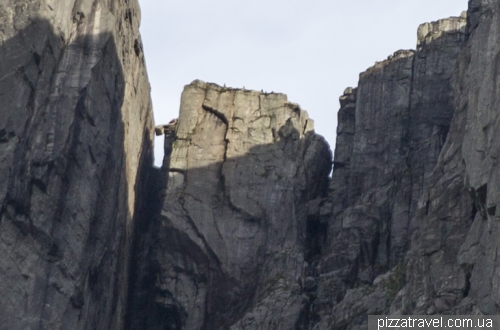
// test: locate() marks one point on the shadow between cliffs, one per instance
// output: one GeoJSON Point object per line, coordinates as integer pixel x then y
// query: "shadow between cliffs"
{"type": "Point", "coordinates": [212, 258]}
{"type": "Point", "coordinates": [64, 187]}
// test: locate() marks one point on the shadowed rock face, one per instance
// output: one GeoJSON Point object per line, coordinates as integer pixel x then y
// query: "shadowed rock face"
{"type": "Point", "coordinates": [392, 129]}
{"type": "Point", "coordinates": [457, 245]}
{"type": "Point", "coordinates": [417, 196]}
{"type": "Point", "coordinates": [248, 238]}
{"type": "Point", "coordinates": [75, 131]}
{"type": "Point", "coordinates": [232, 231]}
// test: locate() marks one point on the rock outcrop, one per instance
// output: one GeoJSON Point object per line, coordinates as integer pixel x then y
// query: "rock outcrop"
{"type": "Point", "coordinates": [75, 137]}
{"type": "Point", "coordinates": [391, 131]}
{"type": "Point", "coordinates": [230, 241]}
{"type": "Point", "coordinates": [478, 104]}
{"type": "Point", "coordinates": [453, 255]}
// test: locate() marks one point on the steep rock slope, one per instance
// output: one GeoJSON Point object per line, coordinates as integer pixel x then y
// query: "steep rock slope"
{"type": "Point", "coordinates": [391, 131]}
{"type": "Point", "coordinates": [480, 97]}
{"type": "Point", "coordinates": [232, 231]}
{"type": "Point", "coordinates": [453, 256]}
{"type": "Point", "coordinates": [431, 222]}
{"type": "Point", "coordinates": [75, 131]}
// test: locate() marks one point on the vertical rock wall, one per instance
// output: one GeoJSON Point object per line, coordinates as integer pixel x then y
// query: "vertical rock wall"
{"type": "Point", "coordinates": [453, 258]}
{"type": "Point", "coordinates": [441, 207]}
{"type": "Point", "coordinates": [394, 234]}
{"type": "Point", "coordinates": [231, 237]}
{"type": "Point", "coordinates": [391, 131]}
{"type": "Point", "coordinates": [480, 98]}
{"type": "Point", "coordinates": [75, 131]}
{"type": "Point", "coordinates": [414, 201]}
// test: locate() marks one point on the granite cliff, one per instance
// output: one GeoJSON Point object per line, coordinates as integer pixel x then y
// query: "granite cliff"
{"type": "Point", "coordinates": [242, 227]}
{"type": "Point", "coordinates": [231, 238]}
{"type": "Point", "coordinates": [76, 132]}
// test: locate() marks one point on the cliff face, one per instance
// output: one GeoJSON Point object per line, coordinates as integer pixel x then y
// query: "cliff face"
{"type": "Point", "coordinates": [478, 104]}
{"type": "Point", "coordinates": [232, 232]}
{"type": "Point", "coordinates": [414, 182]}
{"type": "Point", "coordinates": [241, 228]}
{"type": "Point", "coordinates": [392, 131]}
{"type": "Point", "coordinates": [459, 229]}
{"type": "Point", "coordinates": [75, 131]}
{"type": "Point", "coordinates": [386, 237]}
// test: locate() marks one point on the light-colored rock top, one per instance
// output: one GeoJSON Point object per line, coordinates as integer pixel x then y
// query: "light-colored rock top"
{"type": "Point", "coordinates": [400, 54]}
{"type": "Point", "coordinates": [252, 117]}
{"type": "Point", "coordinates": [428, 32]}
{"type": "Point", "coordinates": [243, 167]}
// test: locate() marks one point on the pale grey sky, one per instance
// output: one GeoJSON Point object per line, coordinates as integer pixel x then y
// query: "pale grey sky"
{"type": "Point", "coordinates": [310, 50]}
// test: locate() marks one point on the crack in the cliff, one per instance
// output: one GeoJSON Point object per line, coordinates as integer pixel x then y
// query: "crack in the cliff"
{"type": "Point", "coordinates": [227, 197]}
{"type": "Point", "coordinates": [177, 170]}
{"type": "Point", "coordinates": [210, 251]}
{"type": "Point", "coordinates": [223, 118]}
{"type": "Point", "coordinates": [217, 226]}
{"type": "Point", "coordinates": [407, 135]}
{"type": "Point", "coordinates": [222, 180]}
{"type": "Point", "coordinates": [216, 113]}
{"type": "Point", "coordinates": [468, 274]}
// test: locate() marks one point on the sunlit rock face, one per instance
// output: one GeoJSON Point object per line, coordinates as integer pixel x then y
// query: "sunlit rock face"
{"type": "Point", "coordinates": [232, 231]}
{"type": "Point", "coordinates": [75, 131]}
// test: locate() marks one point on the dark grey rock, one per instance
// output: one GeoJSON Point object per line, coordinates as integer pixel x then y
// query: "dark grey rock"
{"type": "Point", "coordinates": [230, 248]}
{"type": "Point", "coordinates": [75, 137]}
{"type": "Point", "coordinates": [391, 131]}
{"type": "Point", "coordinates": [241, 228]}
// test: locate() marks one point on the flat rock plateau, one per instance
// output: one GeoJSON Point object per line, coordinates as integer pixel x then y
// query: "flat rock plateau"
{"type": "Point", "coordinates": [245, 226]}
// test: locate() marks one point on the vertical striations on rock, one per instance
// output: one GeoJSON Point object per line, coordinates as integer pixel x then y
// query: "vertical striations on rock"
{"type": "Point", "coordinates": [75, 135]}
{"type": "Point", "coordinates": [346, 129]}
{"type": "Point", "coordinates": [232, 229]}
{"type": "Point", "coordinates": [479, 92]}
{"type": "Point", "coordinates": [391, 131]}
{"type": "Point", "coordinates": [453, 256]}
{"type": "Point", "coordinates": [368, 191]}
{"type": "Point", "coordinates": [432, 105]}
{"type": "Point", "coordinates": [241, 228]}
{"type": "Point", "coordinates": [440, 208]}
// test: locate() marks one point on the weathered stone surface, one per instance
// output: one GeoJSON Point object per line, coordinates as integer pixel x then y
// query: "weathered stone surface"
{"type": "Point", "coordinates": [427, 33]}
{"type": "Point", "coordinates": [75, 129]}
{"type": "Point", "coordinates": [391, 132]}
{"type": "Point", "coordinates": [241, 228]}
{"type": "Point", "coordinates": [444, 237]}
{"type": "Point", "coordinates": [230, 248]}
{"type": "Point", "coordinates": [385, 240]}
{"type": "Point", "coordinates": [441, 206]}
{"type": "Point", "coordinates": [432, 105]}
{"type": "Point", "coordinates": [454, 256]}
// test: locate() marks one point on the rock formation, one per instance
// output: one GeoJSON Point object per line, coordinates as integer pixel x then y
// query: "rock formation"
{"type": "Point", "coordinates": [392, 129]}
{"type": "Point", "coordinates": [75, 135]}
{"type": "Point", "coordinates": [231, 237]}
{"type": "Point", "coordinates": [241, 228]}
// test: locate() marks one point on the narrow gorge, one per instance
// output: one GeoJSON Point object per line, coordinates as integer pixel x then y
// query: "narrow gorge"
{"type": "Point", "coordinates": [251, 223]}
